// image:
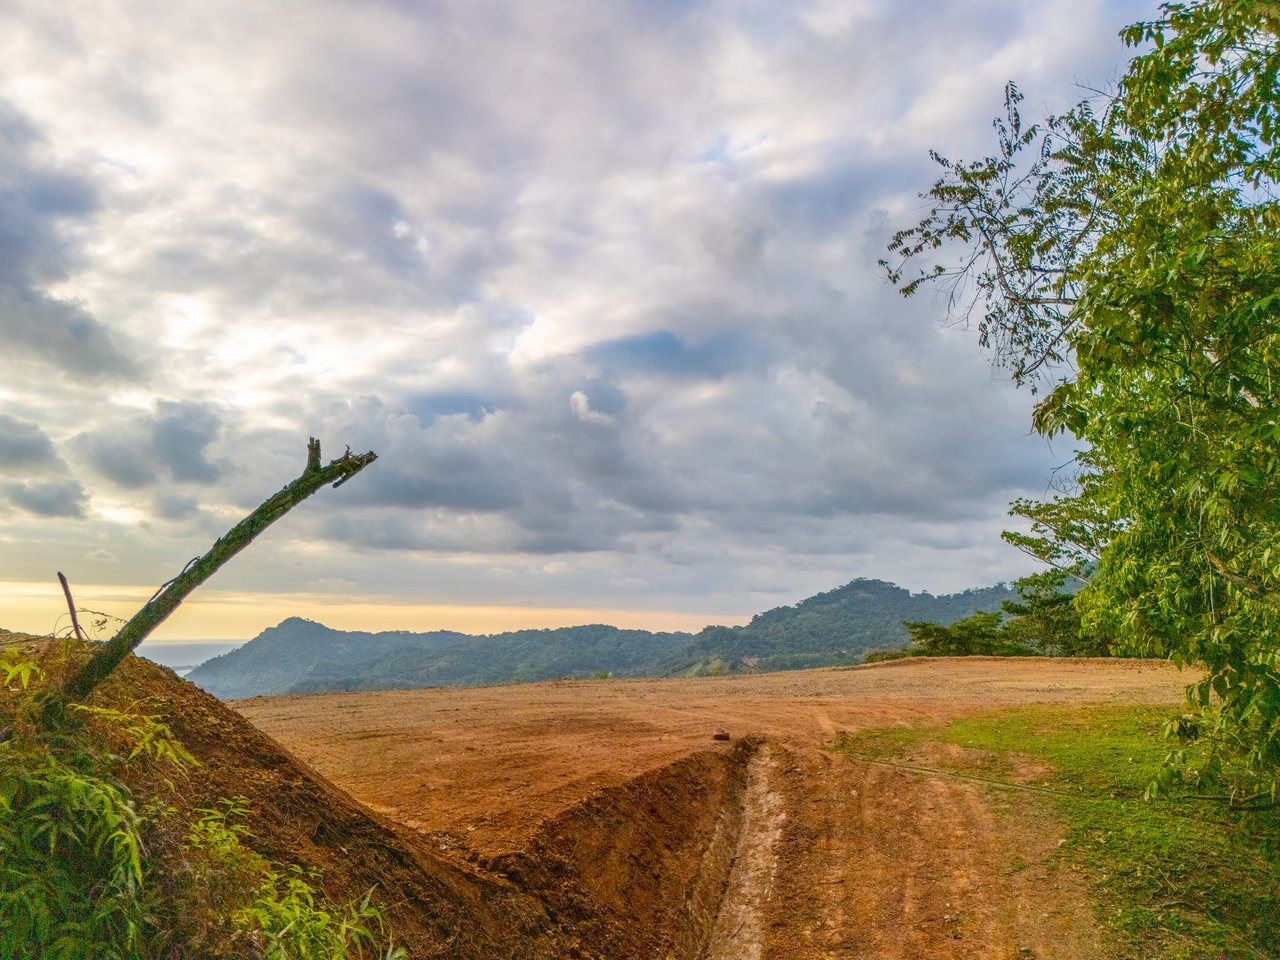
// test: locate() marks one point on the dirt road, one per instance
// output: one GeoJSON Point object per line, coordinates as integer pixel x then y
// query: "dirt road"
{"type": "Point", "coordinates": [830, 857]}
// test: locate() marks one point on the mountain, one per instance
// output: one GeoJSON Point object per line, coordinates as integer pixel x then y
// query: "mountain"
{"type": "Point", "coordinates": [302, 656]}
{"type": "Point", "coordinates": [282, 656]}
{"type": "Point", "coordinates": [836, 627]}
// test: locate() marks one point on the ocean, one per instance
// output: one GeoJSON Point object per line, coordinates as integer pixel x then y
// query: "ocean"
{"type": "Point", "coordinates": [181, 656]}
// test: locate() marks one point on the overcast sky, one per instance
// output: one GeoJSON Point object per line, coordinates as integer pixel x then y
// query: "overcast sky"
{"type": "Point", "coordinates": [597, 282]}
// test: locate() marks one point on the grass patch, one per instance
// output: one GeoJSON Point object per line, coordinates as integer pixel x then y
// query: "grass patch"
{"type": "Point", "coordinates": [1177, 877]}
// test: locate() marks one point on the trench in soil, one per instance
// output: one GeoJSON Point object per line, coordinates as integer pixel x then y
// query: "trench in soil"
{"type": "Point", "coordinates": [675, 864]}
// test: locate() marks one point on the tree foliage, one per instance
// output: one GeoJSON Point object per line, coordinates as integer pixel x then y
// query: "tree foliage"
{"type": "Point", "coordinates": [1043, 620]}
{"type": "Point", "coordinates": [978, 635]}
{"type": "Point", "coordinates": [1125, 256]}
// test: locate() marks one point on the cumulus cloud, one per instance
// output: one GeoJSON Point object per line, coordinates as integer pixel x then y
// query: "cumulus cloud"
{"type": "Point", "coordinates": [55, 498]}
{"type": "Point", "coordinates": [23, 446]}
{"type": "Point", "coordinates": [580, 404]}
{"type": "Point", "coordinates": [38, 206]}
{"type": "Point", "coordinates": [174, 506]}
{"type": "Point", "coordinates": [169, 444]}
{"type": "Point", "coordinates": [40, 485]}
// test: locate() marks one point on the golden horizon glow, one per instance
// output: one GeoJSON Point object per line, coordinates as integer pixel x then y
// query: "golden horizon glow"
{"type": "Point", "coordinates": [37, 607]}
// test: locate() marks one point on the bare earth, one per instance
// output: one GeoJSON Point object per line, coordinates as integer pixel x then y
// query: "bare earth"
{"type": "Point", "coordinates": [832, 857]}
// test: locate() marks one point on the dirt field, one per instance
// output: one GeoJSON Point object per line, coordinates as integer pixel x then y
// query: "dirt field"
{"type": "Point", "coordinates": [603, 797]}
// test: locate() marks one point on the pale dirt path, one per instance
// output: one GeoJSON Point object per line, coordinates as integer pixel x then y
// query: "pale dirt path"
{"type": "Point", "coordinates": [738, 933]}
{"type": "Point", "coordinates": [869, 861]}
{"type": "Point", "coordinates": [886, 863]}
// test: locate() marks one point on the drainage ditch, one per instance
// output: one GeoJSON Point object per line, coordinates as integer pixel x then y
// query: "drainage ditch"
{"type": "Point", "coordinates": [674, 865]}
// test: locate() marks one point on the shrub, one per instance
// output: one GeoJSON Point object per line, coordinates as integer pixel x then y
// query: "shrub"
{"type": "Point", "coordinates": [880, 656]}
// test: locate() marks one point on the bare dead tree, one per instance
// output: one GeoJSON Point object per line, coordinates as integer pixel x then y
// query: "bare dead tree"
{"type": "Point", "coordinates": [154, 612]}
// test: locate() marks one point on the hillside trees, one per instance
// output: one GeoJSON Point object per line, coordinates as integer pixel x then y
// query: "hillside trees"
{"type": "Point", "coordinates": [978, 635]}
{"type": "Point", "coordinates": [1042, 620]}
{"type": "Point", "coordinates": [1125, 258]}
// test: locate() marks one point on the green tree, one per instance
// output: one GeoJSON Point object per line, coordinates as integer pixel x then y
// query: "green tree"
{"type": "Point", "coordinates": [1044, 618]}
{"type": "Point", "coordinates": [1126, 257]}
{"type": "Point", "coordinates": [979, 635]}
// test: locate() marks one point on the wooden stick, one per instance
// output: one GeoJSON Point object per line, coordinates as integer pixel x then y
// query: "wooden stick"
{"type": "Point", "coordinates": [71, 607]}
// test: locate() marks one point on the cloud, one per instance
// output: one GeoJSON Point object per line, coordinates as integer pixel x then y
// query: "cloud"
{"type": "Point", "coordinates": [663, 353]}
{"type": "Point", "coordinates": [59, 498]}
{"type": "Point", "coordinates": [181, 433]}
{"type": "Point", "coordinates": [121, 456]}
{"type": "Point", "coordinates": [588, 279]}
{"type": "Point", "coordinates": [38, 205]}
{"type": "Point", "coordinates": [428, 406]}
{"type": "Point", "coordinates": [60, 334]}
{"type": "Point", "coordinates": [580, 404]}
{"type": "Point", "coordinates": [36, 201]}
{"type": "Point", "coordinates": [43, 487]}
{"type": "Point", "coordinates": [174, 506]}
{"type": "Point", "coordinates": [333, 585]}
{"type": "Point", "coordinates": [23, 446]}
{"type": "Point", "coordinates": [169, 444]}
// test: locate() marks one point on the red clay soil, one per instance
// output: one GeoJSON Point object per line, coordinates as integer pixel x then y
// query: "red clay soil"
{"type": "Point", "coordinates": [601, 818]}
{"type": "Point", "coordinates": [299, 817]}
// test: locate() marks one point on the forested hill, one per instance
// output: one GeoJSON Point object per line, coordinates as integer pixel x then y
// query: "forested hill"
{"type": "Point", "coordinates": [302, 656]}
{"type": "Point", "coordinates": [837, 627]}
{"type": "Point", "coordinates": [280, 657]}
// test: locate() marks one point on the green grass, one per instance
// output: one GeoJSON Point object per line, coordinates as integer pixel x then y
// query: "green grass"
{"type": "Point", "coordinates": [1176, 877]}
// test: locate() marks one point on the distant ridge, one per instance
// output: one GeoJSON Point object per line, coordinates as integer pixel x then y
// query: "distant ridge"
{"type": "Point", "coordinates": [839, 626]}
{"type": "Point", "coordinates": [836, 627]}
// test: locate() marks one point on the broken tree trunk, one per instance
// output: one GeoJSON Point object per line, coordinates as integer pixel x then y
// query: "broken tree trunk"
{"type": "Point", "coordinates": [167, 598]}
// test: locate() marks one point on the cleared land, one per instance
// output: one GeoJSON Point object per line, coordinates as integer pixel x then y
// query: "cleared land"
{"type": "Point", "coordinates": [612, 801]}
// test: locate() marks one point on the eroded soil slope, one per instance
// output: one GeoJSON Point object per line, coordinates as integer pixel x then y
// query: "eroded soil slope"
{"type": "Point", "coordinates": [610, 803]}
{"type": "Point", "coordinates": [298, 817]}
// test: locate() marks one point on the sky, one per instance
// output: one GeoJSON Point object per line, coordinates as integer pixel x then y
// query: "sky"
{"type": "Point", "coordinates": [597, 282]}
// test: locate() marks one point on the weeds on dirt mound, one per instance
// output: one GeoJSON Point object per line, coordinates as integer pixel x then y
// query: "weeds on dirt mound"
{"type": "Point", "coordinates": [89, 873]}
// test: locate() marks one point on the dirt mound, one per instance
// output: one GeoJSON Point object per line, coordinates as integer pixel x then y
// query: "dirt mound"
{"type": "Point", "coordinates": [299, 817]}
{"type": "Point", "coordinates": [639, 870]}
